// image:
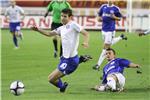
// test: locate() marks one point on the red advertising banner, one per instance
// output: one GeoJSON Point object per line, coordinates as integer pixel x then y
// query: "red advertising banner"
{"type": "Point", "coordinates": [88, 22]}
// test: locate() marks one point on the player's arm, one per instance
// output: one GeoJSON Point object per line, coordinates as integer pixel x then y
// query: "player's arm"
{"type": "Point", "coordinates": [133, 65]}
{"type": "Point", "coordinates": [115, 17]}
{"type": "Point", "coordinates": [99, 18]}
{"type": "Point", "coordinates": [43, 32]}
{"type": "Point", "coordinates": [6, 16]}
{"type": "Point", "coordinates": [68, 5]}
{"type": "Point", "coordinates": [127, 63]}
{"type": "Point", "coordinates": [85, 38]}
{"type": "Point", "coordinates": [99, 15]}
{"type": "Point", "coordinates": [49, 9]}
{"type": "Point", "coordinates": [23, 15]}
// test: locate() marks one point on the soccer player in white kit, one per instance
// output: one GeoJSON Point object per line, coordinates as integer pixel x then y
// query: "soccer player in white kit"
{"type": "Point", "coordinates": [14, 15]}
{"type": "Point", "coordinates": [108, 14]}
{"type": "Point", "coordinates": [69, 61]}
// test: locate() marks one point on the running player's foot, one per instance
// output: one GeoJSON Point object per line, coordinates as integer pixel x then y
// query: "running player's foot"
{"type": "Point", "coordinates": [15, 48]}
{"type": "Point", "coordinates": [96, 67]}
{"type": "Point", "coordinates": [64, 87]}
{"type": "Point", "coordinates": [55, 54]}
{"type": "Point", "coordinates": [84, 58]}
{"type": "Point", "coordinates": [123, 37]}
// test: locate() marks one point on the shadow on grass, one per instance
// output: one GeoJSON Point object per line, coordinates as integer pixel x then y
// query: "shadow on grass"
{"type": "Point", "coordinates": [144, 89]}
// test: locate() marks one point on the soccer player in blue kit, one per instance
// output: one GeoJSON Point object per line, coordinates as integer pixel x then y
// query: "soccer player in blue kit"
{"type": "Point", "coordinates": [113, 78]}
{"type": "Point", "coordinates": [69, 61]}
{"type": "Point", "coordinates": [108, 14]}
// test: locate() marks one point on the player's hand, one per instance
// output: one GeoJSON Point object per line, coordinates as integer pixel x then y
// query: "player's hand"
{"type": "Point", "coordinates": [34, 28]}
{"type": "Point", "coordinates": [137, 66]}
{"type": "Point", "coordinates": [139, 70]}
{"type": "Point", "coordinates": [85, 45]}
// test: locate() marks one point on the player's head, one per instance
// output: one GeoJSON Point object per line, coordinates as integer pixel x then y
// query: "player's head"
{"type": "Point", "coordinates": [110, 54]}
{"type": "Point", "coordinates": [13, 3]}
{"type": "Point", "coordinates": [66, 15]}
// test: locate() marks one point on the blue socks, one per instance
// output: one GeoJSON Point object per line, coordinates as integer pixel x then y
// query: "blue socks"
{"type": "Point", "coordinates": [60, 84]}
{"type": "Point", "coordinates": [15, 40]}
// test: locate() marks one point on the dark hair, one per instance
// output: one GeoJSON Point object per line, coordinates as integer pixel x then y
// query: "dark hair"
{"type": "Point", "coordinates": [110, 49]}
{"type": "Point", "coordinates": [67, 11]}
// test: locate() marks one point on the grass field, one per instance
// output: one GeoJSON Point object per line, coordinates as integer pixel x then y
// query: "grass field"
{"type": "Point", "coordinates": [34, 61]}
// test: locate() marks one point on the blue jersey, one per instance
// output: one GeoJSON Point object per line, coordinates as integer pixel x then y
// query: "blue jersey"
{"type": "Point", "coordinates": [115, 66]}
{"type": "Point", "coordinates": [106, 11]}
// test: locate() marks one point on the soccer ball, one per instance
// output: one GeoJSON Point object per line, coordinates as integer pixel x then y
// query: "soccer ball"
{"type": "Point", "coordinates": [17, 88]}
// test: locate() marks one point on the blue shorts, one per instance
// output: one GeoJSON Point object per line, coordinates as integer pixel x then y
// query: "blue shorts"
{"type": "Point", "coordinates": [14, 26]}
{"type": "Point", "coordinates": [68, 65]}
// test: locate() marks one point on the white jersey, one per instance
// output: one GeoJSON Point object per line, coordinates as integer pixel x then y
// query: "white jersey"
{"type": "Point", "coordinates": [14, 13]}
{"type": "Point", "coordinates": [70, 38]}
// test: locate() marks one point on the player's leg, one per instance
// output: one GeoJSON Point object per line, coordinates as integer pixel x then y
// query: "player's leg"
{"type": "Point", "coordinates": [120, 82]}
{"type": "Point", "coordinates": [117, 39]}
{"type": "Point", "coordinates": [112, 82]}
{"type": "Point", "coordinates": [12, 27]}
{"type": "Point", "coordinates": [54, 26]}
{"type": "Point", "coordinates": [18, 31]}
{"type": "Point", "coordinates": [107, 37]}
{"type": "Point", "coordinates": [55, 78]}
{"type": "Point", "coordinates": [66, 67]}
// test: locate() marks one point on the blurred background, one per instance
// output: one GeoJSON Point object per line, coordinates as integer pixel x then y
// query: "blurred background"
{"type": "Point", "coordinates": [136, 13]}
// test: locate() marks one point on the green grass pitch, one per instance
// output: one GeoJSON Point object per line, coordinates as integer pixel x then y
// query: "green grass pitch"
{"type": "Point", "coordinates": [33, 62]}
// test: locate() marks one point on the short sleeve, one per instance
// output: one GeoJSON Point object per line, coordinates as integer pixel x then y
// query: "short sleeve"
{"type": "Point", "coordinates": [100, 12]}
{"type": "Point", "coordinates": [77, 27]}
{"type": "Point", "coordinates": [6, 12]}
{"type": "Point", "coordinates": [124, 62]}
{"type": "Point", "coordinates": [57, 30]}
{"type": "Point", "coordinates": [49, 7]}
{"type": "Point", "coordinates": [21, 10]}
{"type": "Point", "coordinates": [117, 12]}
{"type": "Point", "coordinates": [68, 5]}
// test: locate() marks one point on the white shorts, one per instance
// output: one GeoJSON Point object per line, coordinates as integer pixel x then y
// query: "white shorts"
{"type": "Point", "coordinates": [121, 81]}
{"type": "Point", "coordinates": [108, 37]}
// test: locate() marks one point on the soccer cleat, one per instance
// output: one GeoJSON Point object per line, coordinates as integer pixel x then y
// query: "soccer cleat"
{"type": "Point", "coordinates": [123, 37]}
{"type": "Point", "coordinates": [64, 87]}
{"type": "Point", "coordinates": [96, 67]}
{"type": "Point", "coordinates": [16, 48]}
{"type": "Point", "coordinates": [84, 58]}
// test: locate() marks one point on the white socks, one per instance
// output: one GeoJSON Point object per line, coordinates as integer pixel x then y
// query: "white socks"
{"type": "Point", "coordinates": [111, 83]}
{"type": "Point", "coordinates": [115, 40]}
{"type": "Point", "coordinates": [102, 57]}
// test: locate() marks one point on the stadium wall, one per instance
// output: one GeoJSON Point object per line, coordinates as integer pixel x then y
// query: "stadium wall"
{"type": "Point", "coordinates": [84, 13]}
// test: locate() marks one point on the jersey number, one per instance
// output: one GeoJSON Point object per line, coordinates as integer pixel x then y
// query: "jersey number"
{"type": "Point", "coordinates": [63, 65]}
